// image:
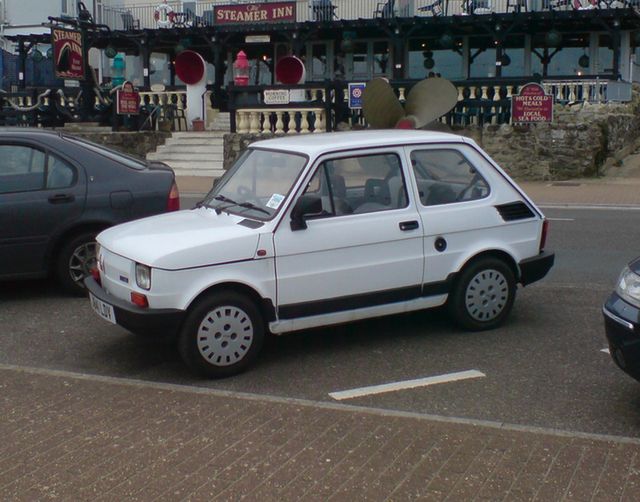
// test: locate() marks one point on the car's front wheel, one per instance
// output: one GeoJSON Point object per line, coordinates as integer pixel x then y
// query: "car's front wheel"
{"type": "Point", "coordinates": [222, 335]}
{"type": "Point", "coordinates": [74, 262]}
{"type": "Point", "coordinates": [483, 294]}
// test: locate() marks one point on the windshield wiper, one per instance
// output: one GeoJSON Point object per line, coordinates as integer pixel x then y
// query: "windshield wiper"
{"type": "Point", "coordinates": [232, 203]}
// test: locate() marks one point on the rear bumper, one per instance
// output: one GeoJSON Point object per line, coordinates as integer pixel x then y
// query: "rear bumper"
{"type": "Point", "coordinates": [622, 327]}
{"type": "Point", "coordinates": [534, 269]}
{"type": "Point", "coordinates": [136, 319]}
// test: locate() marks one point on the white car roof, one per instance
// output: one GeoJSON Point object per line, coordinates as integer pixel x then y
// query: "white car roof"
{"type": "Point", "coordinates": [316, 144]}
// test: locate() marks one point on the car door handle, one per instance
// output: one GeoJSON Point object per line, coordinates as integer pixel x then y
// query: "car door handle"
{"type": "Point", "coordinates": [409, 225]}
{"type": "Point", "coordinates": [61, 198]}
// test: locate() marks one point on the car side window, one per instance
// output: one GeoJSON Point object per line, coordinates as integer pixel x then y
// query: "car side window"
{"type": "Point", "coordinates": [445, 176]}
{"type": "Point", "coordinates": [60, 174]}
{"type": "Point", "coordinates": [22, 168]}
{"type": "Point", "coordinates": [359, 184]}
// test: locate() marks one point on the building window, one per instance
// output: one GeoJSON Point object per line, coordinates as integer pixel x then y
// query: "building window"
{"type": "Point", "coordinates": [482, 57]}
{"type": "Point", "coordinates": [604, 60]}
{"type": "Point", "coordinates": [426, 59]}
{"type": "Point", "coordinates": [563, 60]}
{"type": "Point", "coordinates": [513, 60]}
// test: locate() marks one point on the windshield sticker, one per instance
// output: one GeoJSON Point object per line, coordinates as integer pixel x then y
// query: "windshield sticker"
{"type": "Point", "coordinates": [275, 201]}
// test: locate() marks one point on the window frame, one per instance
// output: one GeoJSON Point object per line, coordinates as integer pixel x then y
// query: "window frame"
{"type": "Point", "coordinates": [322, 164]}
{"type": "Point", "coordinates": [450, 148]}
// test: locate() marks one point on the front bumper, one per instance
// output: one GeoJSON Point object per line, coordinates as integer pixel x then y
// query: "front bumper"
{"type": "Point", "coordinates": [534, 269]}
{"type": "Point", "coordinates": [136, 319]}
{"type": "Point", "coordinates": [622, 327]}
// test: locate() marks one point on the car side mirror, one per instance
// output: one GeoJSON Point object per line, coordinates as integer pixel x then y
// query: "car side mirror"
{"type": "Point", "coordinates": [305, 206]}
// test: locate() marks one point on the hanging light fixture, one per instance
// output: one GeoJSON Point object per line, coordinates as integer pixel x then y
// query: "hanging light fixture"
{"type": "Point", "coordinates": [36, 55]}
{"type": "Point", "coordinates": [110, 51]}
{"type": "Point", "coordinates": [429, 63]}
{"type": "Point", "coordinates": [583, 61]}
{"type": "Point", "coordinates": [553, 38]}
{"type": "Point", "coordinates": [446, 41]}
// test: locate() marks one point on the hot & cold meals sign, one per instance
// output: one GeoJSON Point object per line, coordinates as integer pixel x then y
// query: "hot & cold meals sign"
{"type": "Point", "coordinates": [272, 12]}
{"type": "Point", "coordinates": [67, 53]}
{"type": "Point", "coordinates": [532, 105]}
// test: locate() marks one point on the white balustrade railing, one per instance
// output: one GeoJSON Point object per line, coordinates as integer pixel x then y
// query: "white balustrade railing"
{"type": "Point", "coordinates": [590, 91]}
{"type": "Point", "coordinates": [281, 120]}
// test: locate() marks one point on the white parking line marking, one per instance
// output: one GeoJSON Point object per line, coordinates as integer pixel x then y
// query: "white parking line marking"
{"type": "Point", "coordinates": [561, 219]}
{"type": "Point", "coordinates": [407, 384]}
{"type": "Point", "coordinates": [606, 351]}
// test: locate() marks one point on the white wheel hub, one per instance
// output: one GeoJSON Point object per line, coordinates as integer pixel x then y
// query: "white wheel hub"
{"type": "Point", "coordinates": [225, 335]}
{"type": "Point", "coordinates": [487, 295]}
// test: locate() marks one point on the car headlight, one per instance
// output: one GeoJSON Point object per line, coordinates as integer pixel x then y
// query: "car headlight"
{"type": "Point", "coordinates": [143, 276]}
{"type": "Point", "coordinates": [628, 287]}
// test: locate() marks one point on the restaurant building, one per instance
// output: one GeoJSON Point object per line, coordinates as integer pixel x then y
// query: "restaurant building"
{"type": "Point", "coordinates": [493, 42]}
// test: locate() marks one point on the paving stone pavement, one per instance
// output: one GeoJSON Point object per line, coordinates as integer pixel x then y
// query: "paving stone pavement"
{"type": "Point", "coordinates": [79, 437]}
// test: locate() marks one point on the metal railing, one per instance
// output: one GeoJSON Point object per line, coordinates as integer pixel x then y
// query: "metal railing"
{"type": "Point", "coordinates": [315, 108]}
{"type": "Point", "coordinates": [187, 14]}
{"type": "Point", "coordinates": [323, 108]}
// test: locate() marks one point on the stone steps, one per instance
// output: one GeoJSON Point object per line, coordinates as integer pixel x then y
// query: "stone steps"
{"type": "Point", "coordinates": [193, 153]}
{"type": "Point", "coordinates": [186, 156]}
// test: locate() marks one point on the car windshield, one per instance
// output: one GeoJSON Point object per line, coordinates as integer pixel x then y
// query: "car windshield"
{"type": "Point", "coordinates": [257, 184]}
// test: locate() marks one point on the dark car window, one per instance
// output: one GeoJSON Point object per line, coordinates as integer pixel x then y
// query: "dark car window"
{"type": "Point", "coordinates": [359, 184]}
{"type": "Point", "coordinates": [122, 158]}
{"type": "Point", "coordinates": [22, 168]}
{"type": "Point", "coordinates": [60, 174]}
{"type": "Point", "coordinates": [446, 177]}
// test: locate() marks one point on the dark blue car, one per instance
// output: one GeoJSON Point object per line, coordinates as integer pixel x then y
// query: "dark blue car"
{"type": "Point", "coordinates": [57, 192]}
{"type": "Point", "coordinates": [622, 320]}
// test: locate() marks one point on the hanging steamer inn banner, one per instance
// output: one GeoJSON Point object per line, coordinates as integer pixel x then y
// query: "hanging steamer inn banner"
{"type": "Point", "coordinates": [67, 53]}
{"type": "Point", "coordinates": [272, 12]}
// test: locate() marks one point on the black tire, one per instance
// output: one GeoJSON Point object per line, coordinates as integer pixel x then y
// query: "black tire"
{"type": "Point", "coordinates": [73, 262]}
{"type": "Point", "coordinates": [483, 294]}
{"type": "Point", "coordinates": [222, 335]}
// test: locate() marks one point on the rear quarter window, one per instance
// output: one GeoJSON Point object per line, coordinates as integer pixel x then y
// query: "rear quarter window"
{"type": "Point", "coordinates": [122, 158]}
{"type": "Point", "coordinates": [446, 176]}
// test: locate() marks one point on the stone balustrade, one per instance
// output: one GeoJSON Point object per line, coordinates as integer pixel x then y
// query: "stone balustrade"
{"type": "Point", "coordinates": [281, 120]}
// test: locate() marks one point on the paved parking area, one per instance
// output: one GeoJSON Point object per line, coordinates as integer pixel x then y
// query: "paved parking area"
{"type": "Point", "coordinates": [74, 437]}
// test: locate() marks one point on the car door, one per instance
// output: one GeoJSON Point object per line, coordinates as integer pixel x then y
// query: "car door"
{"type": "Point", "coordinates": [361, 248]}
{"type": "Point", "coordinates": [40, 194]}
{"type": "Point", "coordinates": [454, 197]}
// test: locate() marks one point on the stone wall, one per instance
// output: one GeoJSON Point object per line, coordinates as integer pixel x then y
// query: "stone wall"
{"type": "Point", "coordinates": [137, 144]}
{"type": "Point", "coordinates": [584, 140]}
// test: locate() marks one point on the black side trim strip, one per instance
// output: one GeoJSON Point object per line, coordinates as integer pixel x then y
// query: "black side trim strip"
{"type": "Point", "coordinates": [354, 302]}
{"type": "Point", "coordinates": [515, 211]}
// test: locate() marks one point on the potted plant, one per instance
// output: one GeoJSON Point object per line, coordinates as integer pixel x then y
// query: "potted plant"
{"type": "Point", "coordinates": [197, 124]}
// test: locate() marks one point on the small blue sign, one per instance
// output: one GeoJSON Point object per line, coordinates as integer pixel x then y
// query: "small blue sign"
{"type": "Point", "coordinates": [355, 96]}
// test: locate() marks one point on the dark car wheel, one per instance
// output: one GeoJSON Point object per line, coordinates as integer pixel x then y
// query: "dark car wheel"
{"type": "Point", "coordinates": [222, 335]}
{"type": "Point", "coordinates": [483, 294]}
{"type": "Point", "coordinates": [74, 262]}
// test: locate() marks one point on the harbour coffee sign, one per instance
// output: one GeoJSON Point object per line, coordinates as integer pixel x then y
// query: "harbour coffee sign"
{"type": "Point", "coordinates": [532, 105]}
{"type": "Point", "coordinates": [67, 53]}
{"type": "Point", "coordinates": [272, 12]}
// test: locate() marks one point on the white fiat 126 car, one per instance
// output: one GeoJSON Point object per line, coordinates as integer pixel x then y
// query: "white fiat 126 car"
{"type": "Point", "coordinates": [320, 229]}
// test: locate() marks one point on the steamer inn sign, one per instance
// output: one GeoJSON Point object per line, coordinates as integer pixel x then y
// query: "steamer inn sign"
{"type": "Point", "coordinates": [272, 12]}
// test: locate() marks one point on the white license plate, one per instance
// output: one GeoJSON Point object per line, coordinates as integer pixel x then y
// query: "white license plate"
{"type": "Point", "coordinates": [103, 309]}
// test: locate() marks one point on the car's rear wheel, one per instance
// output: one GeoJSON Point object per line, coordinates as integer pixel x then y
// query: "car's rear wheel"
{"type": "Point", "coordinates": [222, 335]}
{"type": "Point", "coordinates": [74, 262]}
{"type": "Point", "coordinates": [483, 294]}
